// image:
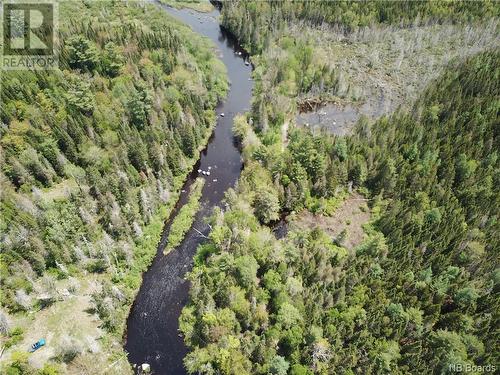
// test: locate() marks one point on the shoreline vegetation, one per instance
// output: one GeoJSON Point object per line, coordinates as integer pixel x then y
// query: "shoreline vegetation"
{"type": "Point", "coordinates": [184, 219]}
{"type": "Point", "coordinates": [202, 6]}
{"type": "Point", "coordinates": [124, 194]}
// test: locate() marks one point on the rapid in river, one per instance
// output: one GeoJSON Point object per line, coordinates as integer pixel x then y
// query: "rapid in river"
{"type": "Point", "coordinates": [152, 326]}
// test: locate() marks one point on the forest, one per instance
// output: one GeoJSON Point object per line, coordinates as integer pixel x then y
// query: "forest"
{"type": "Point", "coordinates": [255, 22]}
{"type": "Point", "coordinates": [389, 261]}
{"type": "Point", "coordinates": [93, 156]}
{"type": "Point", "coordinates": [419, 294]}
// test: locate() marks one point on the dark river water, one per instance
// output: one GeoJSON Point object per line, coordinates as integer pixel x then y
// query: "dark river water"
{"type": "Point", "coordinates": [152, 326]}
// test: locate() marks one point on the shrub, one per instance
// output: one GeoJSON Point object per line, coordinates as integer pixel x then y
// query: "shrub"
{"type": "Point", "coordinates": [15, 336]}
{"type": "Point", "coordinates": [49, 369]}
{"type": "Point", "coordinates": [67, 349]}
{"type": "Point", "coordinates": [18, 365]}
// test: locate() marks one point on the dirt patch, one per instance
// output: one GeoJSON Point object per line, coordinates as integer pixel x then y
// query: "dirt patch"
{"type": "Point", "coordinates": [350, 216]}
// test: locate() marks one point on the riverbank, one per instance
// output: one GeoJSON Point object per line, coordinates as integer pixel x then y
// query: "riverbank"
{"type": "Point", "coordinates": [152, 334]}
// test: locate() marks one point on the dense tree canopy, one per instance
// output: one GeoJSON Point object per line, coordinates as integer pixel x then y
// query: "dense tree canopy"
{"type": "Point", "coordinates": [418, 295]}
{"type": "Point", "coordinates": [90, 151]}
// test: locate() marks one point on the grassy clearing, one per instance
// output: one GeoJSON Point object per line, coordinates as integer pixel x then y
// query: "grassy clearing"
{"type": "Point", "coordinates": [74, 340]}
{"type": "Point", "coordinates": [184, 219]}
{"type": "Point", "coordinates": [62, 191]}
{"type": "Point", "coordinates": [345, 223]}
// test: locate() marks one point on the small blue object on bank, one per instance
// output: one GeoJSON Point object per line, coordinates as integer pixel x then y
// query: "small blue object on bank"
{"type": "Point", "coordinates": [37, 345]}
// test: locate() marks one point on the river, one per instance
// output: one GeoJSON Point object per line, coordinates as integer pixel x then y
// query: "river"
{"type": "Point", "coordinates": [152, 326]}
